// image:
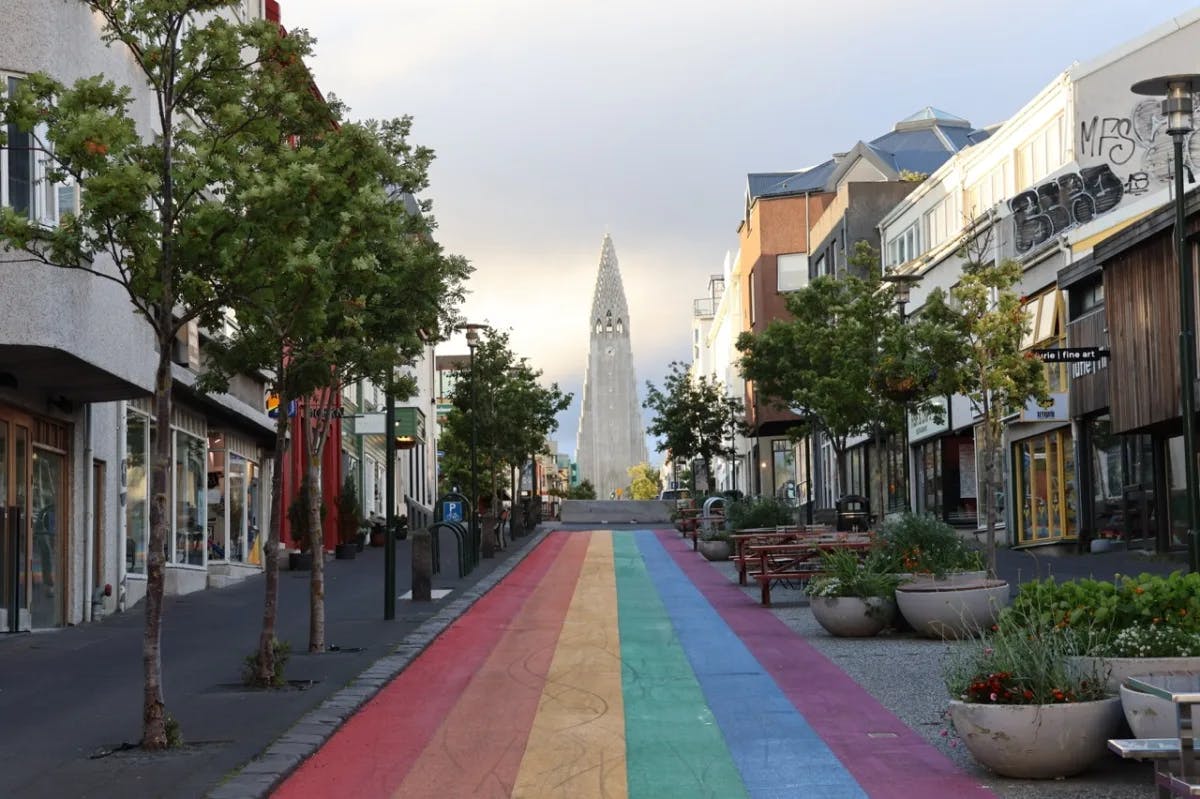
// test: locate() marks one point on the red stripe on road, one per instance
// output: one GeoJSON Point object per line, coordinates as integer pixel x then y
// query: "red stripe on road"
{"type": "Point", "coordinates": [371, 753]}
{"type": "Point", "coordinates": [841, 711]}
{"type": "Point", "coordinates": [477, 750]}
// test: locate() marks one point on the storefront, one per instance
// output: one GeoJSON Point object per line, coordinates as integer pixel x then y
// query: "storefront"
{"type": "Point", "coordinates": [234, 499]}
{"type": "Point", "coordinates": [34, 519]}
{"type": "Point", "coordinates": [943, 463]}
{"type": "Point", "coordinates": [1044, 488]}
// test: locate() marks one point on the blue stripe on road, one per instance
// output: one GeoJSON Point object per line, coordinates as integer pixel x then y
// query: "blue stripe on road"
{"type": "Point", "coordinates": [778, 754]}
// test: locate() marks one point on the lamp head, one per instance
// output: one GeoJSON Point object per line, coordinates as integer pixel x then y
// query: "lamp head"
{"type": "Point", "coordinates": [1177, 105]}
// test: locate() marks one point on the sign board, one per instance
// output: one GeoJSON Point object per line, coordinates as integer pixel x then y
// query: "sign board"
{"type": "Point", "coordinates": [1056, 411]}
{"type": "Point", "coordinates": [410, 423]}
{"type": "Point", "coordinates": [452, 510]}
{"type": "Point", "coordinates": [926, 423]}
{"type": "Point", "coordinates": [1071, 354]}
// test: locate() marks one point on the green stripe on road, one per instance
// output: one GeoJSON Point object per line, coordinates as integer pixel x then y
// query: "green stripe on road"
{"type": "Point", "coordinates": [672, 742]}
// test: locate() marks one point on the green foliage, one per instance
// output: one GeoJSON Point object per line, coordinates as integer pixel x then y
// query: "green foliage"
{"type": "Point", "coordinates": [250, 666]}
{"type": "Point", "coordinates": [920, 543]}
{"type": "Point", "coordinates": [692, 417]}
{"type": "Point", "coordinates": [512, 413]}
{"type": "Point", "coordinates": [349, 512]}
{"type": "Point", "coordinates": [975, 334]}
{"type": "Point", "coordinates": [299, 515]}
{"type": "Point", "coordinates": [846, 574]}
{"type": "Point", "coordinates": [825, 357]}
{"type": "Point", "coordinates": [1026, 662]}
{"type": "Point", "coordinates": [173, 731]}
{"type": "Point", "coordinates": [644, 482]}
{"type": "Point", "coordinates": [755, 512]}
{"type": "Point", "coordinates": [585, 490]}
{"type": "Point", "coordinates": [1110, 607]}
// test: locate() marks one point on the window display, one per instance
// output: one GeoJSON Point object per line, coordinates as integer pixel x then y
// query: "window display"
{"type": "Point", "coordinates": [191, 500]}
{"type": "Point", "coordinates": [1045, 467]}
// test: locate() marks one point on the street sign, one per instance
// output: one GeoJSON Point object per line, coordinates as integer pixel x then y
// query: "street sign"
{"type": "Point", "coordinates": [1071, 354]}
{"type": "Point", "coordinates": [452, 511]}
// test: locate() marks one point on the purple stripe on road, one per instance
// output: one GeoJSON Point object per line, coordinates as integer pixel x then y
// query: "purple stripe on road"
{"type": "Point", "coordinates": [839, 709]}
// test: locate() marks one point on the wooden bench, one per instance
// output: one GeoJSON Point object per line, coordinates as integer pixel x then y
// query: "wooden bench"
{"type": "Point", "coordinates": [744, 559]}
{"type": "Point", "coordinates": [799, 560]}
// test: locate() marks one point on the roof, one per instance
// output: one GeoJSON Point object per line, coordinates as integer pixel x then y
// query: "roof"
{"type": "Point", "coordinates": [921, 142]}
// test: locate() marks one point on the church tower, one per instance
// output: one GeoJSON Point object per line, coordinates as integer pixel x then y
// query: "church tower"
{"type": "Point", "coordinates": [611, 436]}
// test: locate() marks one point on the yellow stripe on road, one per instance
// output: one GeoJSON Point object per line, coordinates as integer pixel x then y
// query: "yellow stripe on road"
{"type": "Point", "coordinates": [577, 746]}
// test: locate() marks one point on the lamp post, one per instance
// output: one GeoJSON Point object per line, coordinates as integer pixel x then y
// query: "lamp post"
{"type": "Point", "coordinates": [389, 494]}
{"type": "Point", "coordinates": [472, 343]}
{"type": "Point", "coordinates": [901, 284]}
{"type": "Point", "coordinates": [1177, 108]}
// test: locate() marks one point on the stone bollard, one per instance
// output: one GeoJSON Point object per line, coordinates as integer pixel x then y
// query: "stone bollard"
{"type": "Point", "coordinates": [422, 564]}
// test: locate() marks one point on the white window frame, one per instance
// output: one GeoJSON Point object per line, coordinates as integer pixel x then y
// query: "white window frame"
{"type": "Point", "coordinates": [44, 202]}
{"type": "Point", "coordinates": [796, 269]}
{"type": "Point", "coordinates": [904, 246]}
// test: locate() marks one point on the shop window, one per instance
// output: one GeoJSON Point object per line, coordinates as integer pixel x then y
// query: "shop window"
{"type": "Point", "coordinates": [191, 492]}
{"type": "Point", "coordinates": [783, 457]}
{"type": "Point", "coordinates": [139, 444]}
{"type": "Point", "coordinates": [1046, 330]}
{"type": "Point", "coordinates": [1045, 487]}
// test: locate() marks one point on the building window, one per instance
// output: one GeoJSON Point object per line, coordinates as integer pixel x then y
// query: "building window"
{"type": "Point", "coordinates": [819, 266]}
{"type": "Point", "coordinates": [792, 270]}
{"type": "Point", "coordinates": [1046, 330]}
{"type": "Point", "coordinates": [783, 461]}
{"type": "Point", "coordinates": [1045, 487]}
{"type": "Point", "coordinates": [24, 163]}
{"type": "Point", "coordinates": [1041, 154]}
{"type": "Point", "coordinates": [904, 247]}
{"type": "Point", "coordinates": [191, 500]}
{"type": "Point", "coordinates": [139, 443]}
{"type": "Point", "coordinates": [942, 222]}
{"type": "Point", "coordinates": [856, 472]}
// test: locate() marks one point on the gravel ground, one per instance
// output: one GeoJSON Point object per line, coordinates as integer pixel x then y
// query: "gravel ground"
{"type": "Point", "coordinates": [904, 673]}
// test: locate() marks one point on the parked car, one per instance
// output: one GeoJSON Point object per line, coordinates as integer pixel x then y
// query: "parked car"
{"type": "Point", "coordinates": [682, 497]}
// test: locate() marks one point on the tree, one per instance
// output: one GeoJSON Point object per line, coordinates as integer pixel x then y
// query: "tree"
{"type": "Point", "coordinates": [975, 333]}
{"type": "Point", "coordinates": [645, 482]}
{"type": "Point", "coordinates": [585, 490]}
{"type": "Point", "coordinates": [381, 284]}
{"type": "Point", "coordinates": [152, 217]}
{"type": "Point", "coordinates": [692, 416]}
{"type": "Point", "coordinates": [823, 359]}
{"type": "Point", "coordinates": [512, 414]}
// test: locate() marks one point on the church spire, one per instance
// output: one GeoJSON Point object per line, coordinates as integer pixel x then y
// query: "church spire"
{"type": "Point", "coordinates": [609, 297]}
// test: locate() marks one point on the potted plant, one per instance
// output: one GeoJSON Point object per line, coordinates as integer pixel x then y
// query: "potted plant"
{"type": "Point", "coordinates": [855, 597]}
{"type": "Point", "coordinates": [715, 544]}
{"type": "Point", "coordinates": [1021, 707]}
{"type": "Point", "coordinates": [299, 525]}
{"type": "Point", "coordinates": [924, 547]}
{"type": "Point", "coordinates": [349, 517]}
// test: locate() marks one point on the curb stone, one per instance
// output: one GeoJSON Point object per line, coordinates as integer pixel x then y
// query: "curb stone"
{"type": "Point", "coordinates": [273, 765]}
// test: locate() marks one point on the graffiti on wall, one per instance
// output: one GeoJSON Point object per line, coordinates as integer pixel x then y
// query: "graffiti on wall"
{"type": "Point", "coordinates": [1139, 143]}
{"type": "Point", "coordinates": [1074, 198]}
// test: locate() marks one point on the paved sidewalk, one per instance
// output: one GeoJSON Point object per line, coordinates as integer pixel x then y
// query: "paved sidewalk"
{"type": "Point", "coordinates": [69, 695]}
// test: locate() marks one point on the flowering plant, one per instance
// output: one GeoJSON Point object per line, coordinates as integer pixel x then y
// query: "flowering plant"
{"type": "Point", "coordinates": [1024, 661]}
{"type": "Point", "coordinates": [847, 575]}
{"type": "Point", "coordinates": [920, 543]}
{"type": "Point", "coordinates": [1150, 641]}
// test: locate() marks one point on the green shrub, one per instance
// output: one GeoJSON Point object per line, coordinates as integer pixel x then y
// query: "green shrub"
{"type": "Point", "coordinates": [1109, 607]}
{"type": "Point", "coordinates": [250, 670]}
{"type": "Point", "coordinates": [745, 514]}
{"type": "Point", "coordinates": [848, 575]}
{"type": "Point", "coordinates": [920, 543]}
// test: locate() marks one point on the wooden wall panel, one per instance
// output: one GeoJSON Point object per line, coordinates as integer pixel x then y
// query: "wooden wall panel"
{"type": "Point", "coordinates": [1089, 379]}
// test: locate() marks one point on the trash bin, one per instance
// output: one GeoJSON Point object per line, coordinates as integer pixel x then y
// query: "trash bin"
{"type": "Point", "coordinates": [853, 513]}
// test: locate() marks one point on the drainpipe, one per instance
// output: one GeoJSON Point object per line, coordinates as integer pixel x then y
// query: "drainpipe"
{"type": "Point", "coordinates": [89, 522]}
{"type": "Point", "coordinates": [122, 526]}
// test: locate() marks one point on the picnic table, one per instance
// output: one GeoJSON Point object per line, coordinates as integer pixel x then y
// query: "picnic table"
{"type": "Point", "coordinates": [1177, 765]}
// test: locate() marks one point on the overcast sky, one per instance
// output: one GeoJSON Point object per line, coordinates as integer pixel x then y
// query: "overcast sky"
{"type": "Point", "coordinates": [555, 121]}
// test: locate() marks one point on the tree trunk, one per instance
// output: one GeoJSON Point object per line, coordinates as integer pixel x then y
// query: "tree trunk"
{"type": "Point", "coordinates": [316, 538]}
{"type": "Point", "coordinates": [266, 641]}
{"type": "Point", "coordinates": [990, 444]}
{"type": "Point", "coordinates": [154, 712]}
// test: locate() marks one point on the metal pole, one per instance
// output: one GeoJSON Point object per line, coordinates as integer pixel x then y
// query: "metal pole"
{"type": "Point", "coordinates": [475, 539]}
{"type": "Point", "coordinates": [904, 424]}
{"type": "Point", "coordinates": [1187, 355]}
{"type": "Point", "coordinates": [389, 493]}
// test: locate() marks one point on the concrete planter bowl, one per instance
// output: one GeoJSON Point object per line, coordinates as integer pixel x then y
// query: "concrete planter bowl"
{"type": "Point", "coordinates": [1118, 669]}
{"type": "Point", "coordinates": [1037, 741]}
{"type": "Point", "coordinates": [938, 610]}
{"type": "Point", "coordinates": [1149, 716]}
{"type": "Point", "coordinates": [715, 550]}
{"type": "Point", "coordinates": [852, 616]}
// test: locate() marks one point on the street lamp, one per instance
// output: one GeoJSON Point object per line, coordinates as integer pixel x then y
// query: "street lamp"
{"type": "Point", "coordinates": [1177, 108]}
{"type": "Point", "coordinates": [477, 539]}
{"type": "Point", "coordinates": [901, 284]}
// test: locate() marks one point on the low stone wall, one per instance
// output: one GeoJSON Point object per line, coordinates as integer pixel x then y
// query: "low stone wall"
{"type": "Point", "coordinates": [583, 511]}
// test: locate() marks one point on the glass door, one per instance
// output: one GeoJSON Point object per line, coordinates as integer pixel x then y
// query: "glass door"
{"type": "Point", "coordinates": [14, 522]}
{"type": "Point", "coordinates": [48, 523]}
